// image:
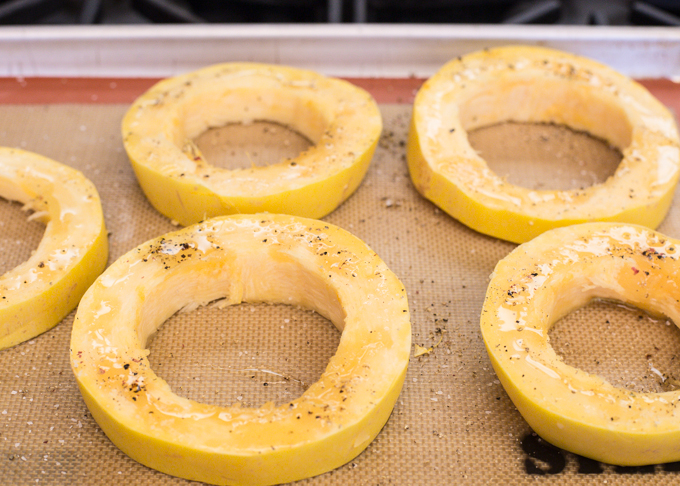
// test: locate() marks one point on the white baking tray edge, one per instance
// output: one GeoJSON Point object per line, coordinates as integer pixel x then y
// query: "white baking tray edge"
{"type": "Point", "coordinates": [351, 50]}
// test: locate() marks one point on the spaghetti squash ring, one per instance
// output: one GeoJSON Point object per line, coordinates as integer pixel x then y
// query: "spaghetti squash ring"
{"type": "Point", "coordinates": [548, 277]}
{"type": "Point", "coordinates": [36, 295]}
{"type": "Point", "coordinates": [540, 85]}
{"type": "Point", "coordinates": [245, 258]}
{"type": "Point", "coordinates": [341, 120]}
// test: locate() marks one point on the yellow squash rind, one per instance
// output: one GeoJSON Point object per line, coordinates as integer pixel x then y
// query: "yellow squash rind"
{"type": "Point", "coordinates": [36, 295]}
{"type": "Point", "coordinates": [548, 277]}
{"type": "Point", "coordinates": [540, 85]}
{"type": "Point", "coordinates": [340, 119]}
{"type": "Point", "coordinates": [244, 258]}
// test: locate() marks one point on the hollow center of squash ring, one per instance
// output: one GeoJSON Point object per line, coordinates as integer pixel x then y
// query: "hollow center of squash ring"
{"type": "Point", "coordinates": [544, 156]}
{"type": "Point", "coordinates": [301, 111]}
{"type": "Point", "coordinates": [246, 145]}
{"type": "Point", "coordinates": [19, 236]}
{"type": "Point", "coordinates": [547, 101]}
{"type": "Point", "coordinates": [247, 275]}
{"type": "Point", "coordinates": [250, 354]}
{"type": "Point", "coordinates": [627, 346]}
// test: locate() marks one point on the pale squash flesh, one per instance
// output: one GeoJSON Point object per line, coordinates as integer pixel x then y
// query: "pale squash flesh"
{"type": "Point", "coordinates": [545, 279]}
{"type": "Point", "coordinates": [36, 295]}
{"type": "Point", "coordinates": [342, 121]}
{"type": "Point", "coordinates": [234, 259]}
{"type": "Point", "coordinates": [539, 85]}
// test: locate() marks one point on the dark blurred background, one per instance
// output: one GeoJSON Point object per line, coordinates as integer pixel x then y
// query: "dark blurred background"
{"type": "Point", "coordinates": [575, 12]}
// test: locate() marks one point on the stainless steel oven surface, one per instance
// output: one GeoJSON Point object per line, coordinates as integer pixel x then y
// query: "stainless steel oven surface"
{"type": "Point", "coordinates": [574, 12]}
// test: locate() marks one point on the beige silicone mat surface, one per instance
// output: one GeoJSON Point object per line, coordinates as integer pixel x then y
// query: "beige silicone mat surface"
{"type": "Point", "coordinates": [453, 423]}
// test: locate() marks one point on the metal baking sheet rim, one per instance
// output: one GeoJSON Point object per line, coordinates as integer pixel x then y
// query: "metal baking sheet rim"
{"type": "Point", "coordinates": [351, 50]}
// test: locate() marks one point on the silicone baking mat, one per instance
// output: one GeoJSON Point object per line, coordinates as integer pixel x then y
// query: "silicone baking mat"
{"type": "Point", "coordinates": [453, 423]}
